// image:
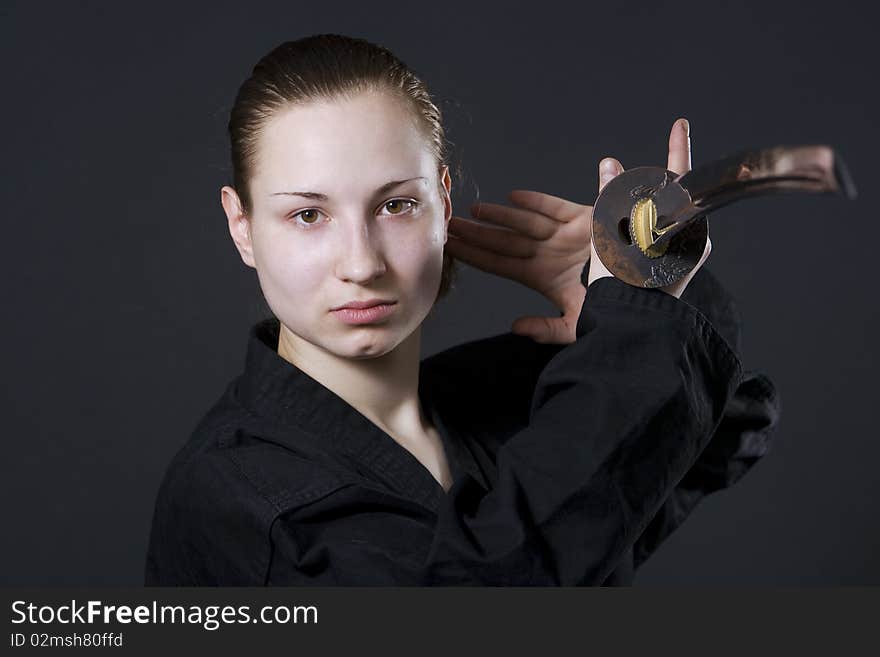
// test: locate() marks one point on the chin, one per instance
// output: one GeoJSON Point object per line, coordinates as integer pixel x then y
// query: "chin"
{"type": "Point", "coordinates": [370, 344]}
{"type": "Point", "coordinates": [368, 351]}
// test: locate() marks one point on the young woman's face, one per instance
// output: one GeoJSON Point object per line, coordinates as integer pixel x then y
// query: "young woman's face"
{"type": "Point", "coordinates": [347, 206]}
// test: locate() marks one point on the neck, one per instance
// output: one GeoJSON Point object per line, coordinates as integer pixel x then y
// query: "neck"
{"type": "Point", "coordinates": [383, 389]}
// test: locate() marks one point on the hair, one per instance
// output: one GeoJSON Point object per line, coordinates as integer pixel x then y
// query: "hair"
{"type": "Point", "coordinates": [327, 67]}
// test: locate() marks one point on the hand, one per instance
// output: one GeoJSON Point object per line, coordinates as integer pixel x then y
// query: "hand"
{"type": "Point", "coordinates": [679, 161]}
{"type": "Point", "coordinates": [542, 242]}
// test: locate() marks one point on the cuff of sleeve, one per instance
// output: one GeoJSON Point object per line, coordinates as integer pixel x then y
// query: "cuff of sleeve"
{"type": "Point", "coordinates": [610, 290]}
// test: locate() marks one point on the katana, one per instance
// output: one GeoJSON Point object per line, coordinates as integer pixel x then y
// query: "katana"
{"type": "Point", "coordinates": [650, 225]}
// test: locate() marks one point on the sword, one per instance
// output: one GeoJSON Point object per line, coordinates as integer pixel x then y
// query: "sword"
{"type": "Point", "coordinates": [650, 225]}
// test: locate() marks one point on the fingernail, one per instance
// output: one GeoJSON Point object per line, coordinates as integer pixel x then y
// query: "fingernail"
{"type": "Point", "coordinates": [687, 127]}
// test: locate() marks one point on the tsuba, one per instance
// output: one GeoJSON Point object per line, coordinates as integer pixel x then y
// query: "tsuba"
{"type": "Point", "coordinates": [629, 217]}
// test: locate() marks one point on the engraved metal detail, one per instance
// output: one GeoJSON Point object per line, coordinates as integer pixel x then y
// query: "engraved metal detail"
{"type": "Point", "coordinates": [649, 190]}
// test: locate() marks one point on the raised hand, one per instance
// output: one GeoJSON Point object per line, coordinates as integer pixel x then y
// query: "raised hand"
{"type": "Point", "coordinates": [543, 242]}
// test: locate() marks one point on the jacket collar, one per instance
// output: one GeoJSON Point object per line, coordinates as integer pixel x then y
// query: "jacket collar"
{"type": "Point", "coordinates": [310, 416]}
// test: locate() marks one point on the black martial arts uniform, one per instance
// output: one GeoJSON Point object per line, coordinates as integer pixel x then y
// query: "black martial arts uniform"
{"type": "Point", "coordinates": [571, 463]}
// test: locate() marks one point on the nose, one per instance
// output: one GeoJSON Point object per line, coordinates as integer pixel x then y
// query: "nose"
{"type": "Point", "coordinates": [359, 260]}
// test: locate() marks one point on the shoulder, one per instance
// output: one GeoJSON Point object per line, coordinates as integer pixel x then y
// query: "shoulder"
{"type": "Point", "coordinates": [209, 521]}
{"type": "Point", "coordinates": [232, 446]}
{"type": "Point", "coordinates": [219, 496]}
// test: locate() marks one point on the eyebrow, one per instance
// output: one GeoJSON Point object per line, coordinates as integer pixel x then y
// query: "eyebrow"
{"type": "Point", "coordinates": [323, 197]}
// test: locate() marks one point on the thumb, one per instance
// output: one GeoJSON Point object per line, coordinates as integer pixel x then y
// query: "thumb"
{"type": "Point", "coordinates": [546, 330]}
{"type": "Point", "coordinates": [608, 168]}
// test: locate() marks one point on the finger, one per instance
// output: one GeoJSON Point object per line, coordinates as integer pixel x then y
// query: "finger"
{"type": "Point", "coordinates": [608, 168]}
{"type": "Point", "coordinates": [554, 207]}
{"type": "Point", "coordinates": [498, 240]}
{"type": "Point", "coordinates": [552, 330]}
{"type": "Point", "coordinates": [487, 261]}
{"type": "Point", "coordinates": [527, 222]}
{"type": "Point", "coordinates": [680, 147]}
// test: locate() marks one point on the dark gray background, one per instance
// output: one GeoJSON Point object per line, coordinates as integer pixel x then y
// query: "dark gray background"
{"type": "Point", "coordinates": [126, 305]}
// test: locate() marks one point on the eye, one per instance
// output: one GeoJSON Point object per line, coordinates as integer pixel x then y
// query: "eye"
{"type": "Point", "coordinates": [309, 216]}
{"type": "Point", "coordinates": [400, 205]}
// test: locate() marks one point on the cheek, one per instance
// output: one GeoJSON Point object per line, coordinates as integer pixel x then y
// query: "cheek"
{"type": "Point", "coordinates": [289, 274]}
{"type": "Point", "coordinates": [417, 256]}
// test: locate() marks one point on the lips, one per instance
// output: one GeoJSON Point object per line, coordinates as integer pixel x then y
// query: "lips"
{"type": "Point", "coordinates": [357, 305]}
{"type": "Point", "coordinates": [370, 315]}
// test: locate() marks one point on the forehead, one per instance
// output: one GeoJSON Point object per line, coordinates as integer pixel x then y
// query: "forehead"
{"type": "Point", "coordinates": [364, 140]}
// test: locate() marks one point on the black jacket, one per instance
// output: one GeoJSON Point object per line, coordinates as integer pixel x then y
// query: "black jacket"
{"type": "Point", "coordinates": [571, 463]}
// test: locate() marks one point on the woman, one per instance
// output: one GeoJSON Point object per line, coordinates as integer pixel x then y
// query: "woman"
{"type": "Point", "coordinates": [562, 455]}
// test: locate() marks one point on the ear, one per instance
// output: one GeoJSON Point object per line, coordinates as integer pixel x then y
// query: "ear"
{"type": "Point", "coordinates": [239, 224]}
{"type": "Point", "coordinates": [446, 182]}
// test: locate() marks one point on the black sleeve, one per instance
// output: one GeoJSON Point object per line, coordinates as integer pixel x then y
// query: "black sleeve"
{"type": "Point", "coordinates": [616, 420]}
{"type": "Point", "coordinates": [743, 436]}
{"type": "Point", "coordinates": [497, 377]}
{"type": "Point", "coordinates": [741, 439]}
